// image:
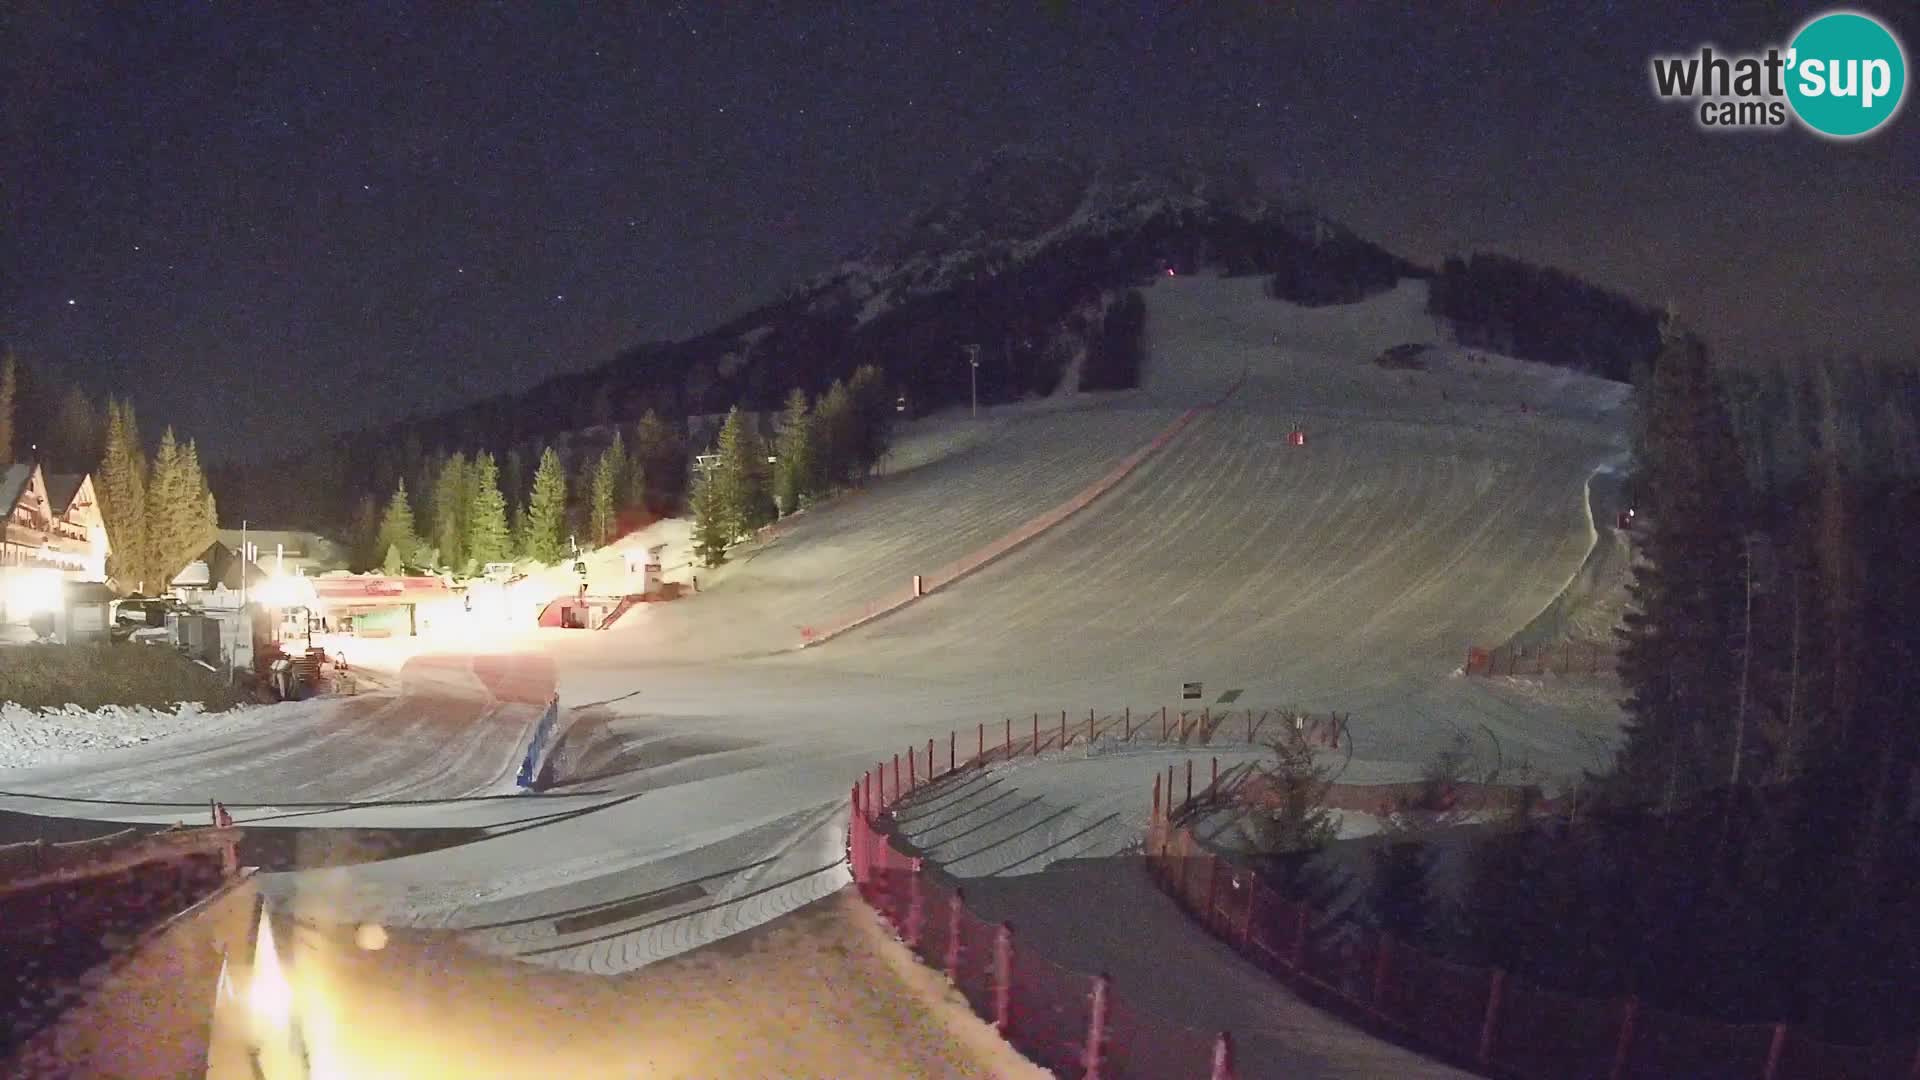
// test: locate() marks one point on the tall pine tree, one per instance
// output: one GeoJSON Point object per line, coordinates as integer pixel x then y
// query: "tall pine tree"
{"type": "Point", "coordinates": [793, 474]}
{"type": "Point", "coordinates": [488, 538]}
{"type": "Point", "coordinates": [741, 477]}
{"type": "Point", "coordinates": [713, 528]}
{"type": "Point", "coordinates": [451, 498]}
{"type": "Point", "coordinates": [1681, 674]}
{"type": "Point", "coordinates": [397, 542]}
{"type": "Point", "coordinates": [546, 519]}
{"type": "Point", "coordinates": [202, 525]}
{"type": "Point", "coordinates": [604, 491]}
{"type": "Point", "coordinates": [837, 436]}
{"type": "Point", "coordinates": [873, 417]}
{"type": "Point", "coordinates": [122, 489]}
{"type": "Point", "coordinates": [171, 517]}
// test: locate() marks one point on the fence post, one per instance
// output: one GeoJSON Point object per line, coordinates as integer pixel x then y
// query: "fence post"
{"type": "Point", "coordinates": [1089, 729]}
{"type": "Point", "coordinates": [1126, 722]}
{"type": "Point", "coordinates": [913, 778]}
{"type": "Point", "coordinates": [1495, 990]}
{"type": "Point", "coordinates": [1063, 729]}
{"type": "Point", "coordinates": [1188, 805]}
{"type": "Point", "coordinates": [953, 749]}
{"type": "Point", "coordinates": [1036, 734]}
{"type": "Point", "coordinates": [1156, 796]}
{"type": "Point", "coordinates": [1775, 1050]}
{"type": "Point", "coordinates": [1009, 738]}
{"type": "Point", "coordinates": [916, 912]}
{"type": "Point", "coordinates": [954, 907]}
{"type": "Point", "coordinates": [1165, 727]}
{"type": "Point", "coordinates": [855, 857]}
{"type": "Point", "coordinates": [1213, 783]}
{"type": "Point", "coordinates": [866, 803]}
{"type": "Point", "coordinates": [1003, 979]}
{"type": "Point", "coordinates": [1625, 1045]}
{"type": "Point", "coordinates": [897, 789]}
{"type": "Point", "coordinates": [1169, 792]}
{"type": "Point", "coordinates": [1205, 730]}
{"type": "Point", "coordinates": [929, 760]}
{"type": "Point", "coordinates": [1222, 1057]}
{"type": "Point", "coordinates": [1097, 1029]}
{"type": "Point", "coordinates": [881, 768]}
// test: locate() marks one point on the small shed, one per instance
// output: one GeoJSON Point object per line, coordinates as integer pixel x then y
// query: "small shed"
{"type": "Point", "coordinates": [86, 615]}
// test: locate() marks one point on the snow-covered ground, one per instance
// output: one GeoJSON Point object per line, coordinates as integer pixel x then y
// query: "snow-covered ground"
{"type": "Point", "coordinates": [47, 736]}
{"type": "Point", "coordinates": [828, 994]}
{"type": "Point", "coordinates": [1427, 511]}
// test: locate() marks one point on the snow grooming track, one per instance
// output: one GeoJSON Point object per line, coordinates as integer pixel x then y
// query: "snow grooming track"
{"type": "Point", "coordinates": [442, 733]}
{"type": "Point", "coordinates": [1350, 573]}
{"type": "Point", "coordinates": [951, 573]}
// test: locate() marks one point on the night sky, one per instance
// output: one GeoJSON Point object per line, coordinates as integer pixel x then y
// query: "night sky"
{"type": "Point", "coordinates": [267, 227]}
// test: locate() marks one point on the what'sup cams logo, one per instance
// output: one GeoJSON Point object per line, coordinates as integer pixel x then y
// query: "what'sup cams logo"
{"type": "Point", "coordinates": [1842, 76]}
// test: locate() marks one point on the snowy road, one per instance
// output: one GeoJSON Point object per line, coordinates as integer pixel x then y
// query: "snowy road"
{"type": "Point", "coordinates": [1426, 512]}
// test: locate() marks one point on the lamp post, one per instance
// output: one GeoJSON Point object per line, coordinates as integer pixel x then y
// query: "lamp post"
{"type": "Point", "coordinates": [973, 373]}
{"type": "Point", "coordinates": [244, 629]}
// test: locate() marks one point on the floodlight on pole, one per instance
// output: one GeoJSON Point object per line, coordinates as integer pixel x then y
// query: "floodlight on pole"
{"type": "Point", "coordinates": [973, 370]}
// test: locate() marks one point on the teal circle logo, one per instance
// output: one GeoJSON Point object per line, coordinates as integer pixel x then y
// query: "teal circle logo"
{"type": "Point", "coordinates": [1846, 74]}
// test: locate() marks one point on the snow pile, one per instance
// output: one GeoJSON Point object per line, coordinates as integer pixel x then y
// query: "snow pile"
{"type": "Point", "coordinates": [30, 737]}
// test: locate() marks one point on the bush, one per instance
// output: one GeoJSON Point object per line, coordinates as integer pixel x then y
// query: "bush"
{"type": "Point", "coordinates": [90, 676]}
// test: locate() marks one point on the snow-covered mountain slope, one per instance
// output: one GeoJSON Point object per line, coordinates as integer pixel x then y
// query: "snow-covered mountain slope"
{"type": "Point", "coordinates": [1426, 512]}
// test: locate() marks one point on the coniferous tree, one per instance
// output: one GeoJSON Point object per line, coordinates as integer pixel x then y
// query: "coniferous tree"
{"type": "Point", "coordinates": [1675, 661]}
{"type": "Point", "coordinates": [713, 527]}
{"type": "Point", "coordinates": [489, 539]}
{"type": "Point", "coordinates": [203, 514]}
{"type": "Point", "coordinates": [873, 412]}
{"type": "Point", "coordinates": [122, 490]}
{"type": "Point", "coordinates": [9, 398]}
{"type": "Point", "coordinates": [546, 517]}
{"type": "Point", "coordinates": [1400, 898]}
{"type": "Point", "coordinates": [793, 476]}
{"type": "Point", "coordinates": [741, 476]}
{"type": "Point", "coordinates": [397, 542]}
{"type": "Point", "coordinates": [452, 495]}
{"type": "Point", "coordinates": [633, 476]}
{"type": "Point", "coordinates": [171, 517]}
{"type": "Point", "coordinates": [604, 491]}
{"type": "Point", "coordinates": [837, 436]}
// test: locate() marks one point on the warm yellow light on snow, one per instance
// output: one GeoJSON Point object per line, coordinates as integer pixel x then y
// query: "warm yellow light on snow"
{"type": "Point", "coordinates": [269, 992]}
{"type": "Point", "coordinates": [32, 592]}
{"type": "Point", "coordinates": [371, 937]}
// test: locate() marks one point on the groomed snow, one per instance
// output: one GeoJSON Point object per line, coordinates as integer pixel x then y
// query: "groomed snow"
{"type": "Point", "coordinates": [1427, 512]}
{"type": "Point", "coordinates": [30, 737]}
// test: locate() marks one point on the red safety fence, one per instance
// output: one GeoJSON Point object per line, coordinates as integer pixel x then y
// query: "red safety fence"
{"type": "Point", "coordinates": [1564, 658]}
{"type": "Point", "coordinates": [923, 584]}
{"type": "Point", "coordinates": [1038, 733]}
{"type": "Point", "coordinates": [1478, 1017]}
{"type": "Point", "coordinates": [1070, 1022]}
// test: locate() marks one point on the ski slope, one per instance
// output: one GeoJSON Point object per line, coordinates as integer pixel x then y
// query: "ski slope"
{"type": "Point", "coordinates": [1427, 511]}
